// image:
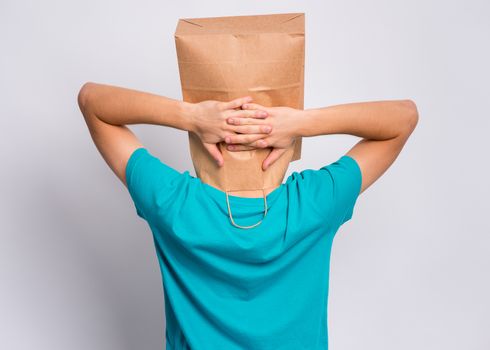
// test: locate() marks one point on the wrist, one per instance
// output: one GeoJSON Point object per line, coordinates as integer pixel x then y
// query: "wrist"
{"type": "Point", "coordinates": [314, 122]}
{"type": "Point", "coordinates": [188, 111]}
{"type": "Point", "coordinates": [301, 129]}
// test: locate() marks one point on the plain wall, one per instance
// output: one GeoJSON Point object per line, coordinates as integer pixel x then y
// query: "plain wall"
{"type": "Point", "coordinates": [78, 268]}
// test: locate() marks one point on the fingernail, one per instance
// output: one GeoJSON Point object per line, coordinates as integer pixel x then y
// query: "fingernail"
{"type": "Point", "coordinates": [231, 121]}
{"type": "Point", "coordinates": [227, 139]}
{"type": "Point", "coordinates": [263, 114]}
{"type": "Point", "coordinates": [245, 106]}
{"type": "Point", "coordinates": [231, 147]}
{"type": "Point", "coordinates": [267, 128]}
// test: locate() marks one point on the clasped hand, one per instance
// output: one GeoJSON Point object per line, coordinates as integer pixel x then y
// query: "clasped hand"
{"type": "Point", "coordinates": [244, 126]}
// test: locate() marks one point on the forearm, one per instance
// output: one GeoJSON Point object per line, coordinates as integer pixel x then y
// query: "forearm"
{"type": "Point", "coordinates": [121, 106]}
{"type": "Point", "coordinates": [376, 120]}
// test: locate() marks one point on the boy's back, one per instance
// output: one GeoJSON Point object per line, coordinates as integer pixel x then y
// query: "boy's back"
{"type": "Point", "coordinates": [232, 288]}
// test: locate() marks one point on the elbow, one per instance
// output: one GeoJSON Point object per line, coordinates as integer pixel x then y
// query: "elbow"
{"type": "Point", "coordinates": [83, 95]}
{"type": "Point", "coordinates": [411, 114]}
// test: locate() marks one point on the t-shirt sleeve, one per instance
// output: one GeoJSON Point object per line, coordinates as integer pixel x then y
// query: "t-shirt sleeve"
{"type": "Point", "coordinates": [151, 183]}
{"type": "Point", "coordinates": [327, 196]}
{"type": "Point", "coordinates": [342, 179]}
{"type": "Point", "coordinates": [331, 191]}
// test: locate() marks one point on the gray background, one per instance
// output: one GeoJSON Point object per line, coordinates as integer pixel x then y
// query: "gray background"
{"type": "Point", "coordinates": [78, 268]}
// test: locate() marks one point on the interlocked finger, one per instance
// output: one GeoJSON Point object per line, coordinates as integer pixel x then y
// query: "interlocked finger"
{"type": "Point", "coordinates": [251, 129]}
{"type": "Point", "coordinates": [240, 113]}
{"type": "Point", "coordinates": [261, 143]}
{"type": "Point", "coordinates": [243, 138]}
{"type": "Point", "coordinates": [237, 103]}
{"type": "Point", "coordinates": [247, 121]}
{"type": "Point", "coordinates": [250, 105]}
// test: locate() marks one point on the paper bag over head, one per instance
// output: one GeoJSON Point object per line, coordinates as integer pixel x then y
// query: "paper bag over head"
{"type": "Point", "coordinates": [223, 58]}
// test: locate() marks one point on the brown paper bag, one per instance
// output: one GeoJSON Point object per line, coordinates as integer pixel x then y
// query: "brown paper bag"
{"type": "Point", "coordinates": [223, 58]}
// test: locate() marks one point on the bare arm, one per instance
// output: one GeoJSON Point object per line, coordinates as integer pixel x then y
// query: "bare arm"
{"type": "Point", "coordinates": [108, 109]}
{"type": "Point", "coordinates": [384, 126]}
{"type": "Point", "coordinates": [374, 120]}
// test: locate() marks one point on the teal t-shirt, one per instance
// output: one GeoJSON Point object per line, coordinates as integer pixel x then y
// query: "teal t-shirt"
{"type": "Point", "coordinates": [264, 288]}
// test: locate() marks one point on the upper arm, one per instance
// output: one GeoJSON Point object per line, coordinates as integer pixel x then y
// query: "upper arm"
{"type": "Point", "coordinates": [115, 143]}
{"type": "Point", "coordinates": [374, 157]}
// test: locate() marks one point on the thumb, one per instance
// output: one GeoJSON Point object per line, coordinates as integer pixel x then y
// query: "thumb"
{"type": "Point", "coordinates": [214, 151]}
{"type": "Point", "coordinates": [275, 154]}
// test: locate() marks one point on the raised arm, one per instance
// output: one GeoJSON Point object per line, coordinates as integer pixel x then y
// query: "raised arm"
{"type": "Point", "coordinates": [107, 110]}
{"type": "Point", "coordinates": [384, 126]}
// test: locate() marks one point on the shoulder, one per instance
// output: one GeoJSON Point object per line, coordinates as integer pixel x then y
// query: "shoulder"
{"type": "Point", "coordinates": [147, 166]}
{"type": "Point", "coordinates": [344, 168]}
{"type": "Point", "coordinates": [330, 191]}
{"type": "Point", "coordinates": [152, 184]}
